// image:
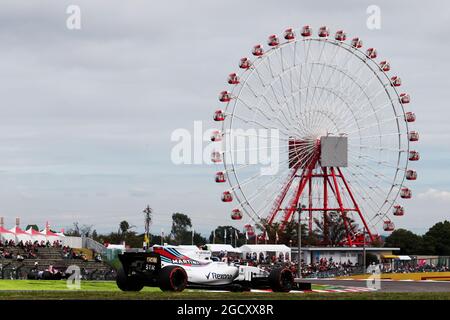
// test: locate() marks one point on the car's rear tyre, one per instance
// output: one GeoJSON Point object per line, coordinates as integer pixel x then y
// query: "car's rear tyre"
{"type": "Point", "coordinates": [281, 280]}
{"type": "Point", "coordinates": [172, 278]}
{"type": "Point", "coordinates": [127, 283]}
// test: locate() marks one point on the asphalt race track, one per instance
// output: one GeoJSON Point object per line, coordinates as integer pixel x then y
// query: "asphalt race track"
{"type": "Point", "coordinates": [392, 286]}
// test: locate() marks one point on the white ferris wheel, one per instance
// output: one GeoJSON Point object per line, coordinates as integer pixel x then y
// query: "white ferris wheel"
{"type": "Point", "coordinates": [310, 86]}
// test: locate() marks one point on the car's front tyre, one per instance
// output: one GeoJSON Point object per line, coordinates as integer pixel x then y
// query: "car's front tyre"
{"type": "Point", "coordinates": [281, 280]}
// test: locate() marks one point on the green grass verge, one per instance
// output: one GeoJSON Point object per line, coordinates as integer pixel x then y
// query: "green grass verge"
{"type": "Point", "coordinates": [107, 290]}
{"type": "Point", "coordinates": [204, 295]}
{"type": "Point", "coordinates": [52, 285]}
{"type": "Point", "coordinates": [107, 286]}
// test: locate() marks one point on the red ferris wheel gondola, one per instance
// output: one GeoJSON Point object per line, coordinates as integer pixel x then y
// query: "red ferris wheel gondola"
{"type": "Point", "coordinates": [388, 225]}
{"type": "Point", "coordinates": [306, 31]}
{"type": "Point", "coordinates": [245, 63]}
{"type": "Point", "coordinates": [224, 96]}
{"type": "Point", "coordinates": [405, 193]}
{"type": "Point", "coordinates": [258, 50]}
{"type": "Point", "coordinates": [411, 174]}
{"type": "Point", "coordinates": [340, 35]}
{"type": "Point", "coordinates": [219, 115]}
{"type": "Point", "coordinates": [398, 210]}
{"type": "Point", "coordinates": [410, 116]}
{"type": "Point", "coordinates": [371, 53]}
{"type": "Point", "coordinates": [385, 66]}
{"type": "Point", "coordinates": [236, 214]}
{"type": "Point", "coordinates": [220, 177]}
{"type": "Point", "coordinates": [273, 41]}
{"type": "Point", "coordinates": [356, 43]}
{"type": "Point", "coordinates": [414, 155]}
{"type": "Point", "coordinates": [413, 136]}
{"type": "Point", "coordinates": [216, 157]}
{"type": "Point", "coordinates": [249, 230]}
{"type": "Point", "coordinates": [324, 32]}
{"type": "Point", "coordinates": [226, 196]}
{"type": "Point", "coordinates": [396, 81]}
{"type": "Point", "coordinates": [216, 136]}
{"type": "Point", "coordinates": [289, 34]}
{"type": "Point", "coordinates": [233, 78]}
{"type": "Point", "coordinates": [404, 98]}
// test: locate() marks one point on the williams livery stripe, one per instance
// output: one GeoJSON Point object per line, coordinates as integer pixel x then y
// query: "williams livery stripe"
{"type": "Point", "coordinates": [171, 255]}
{"type": "Point", "coordinates": [166, 260]}
{"type": "Point", "coordinates": [174, 252]}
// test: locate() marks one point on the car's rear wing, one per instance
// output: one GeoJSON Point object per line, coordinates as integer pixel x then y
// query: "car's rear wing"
{"type": "Point", "coordinates": [144, 265]}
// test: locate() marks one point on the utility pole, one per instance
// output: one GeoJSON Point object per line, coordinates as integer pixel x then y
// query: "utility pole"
{"type": "Point", "coordinates": [147, 221]}
{"type": "Point", "coordinates": [364, 249]}
{"type": "Point", "coordinates": [299, 233]}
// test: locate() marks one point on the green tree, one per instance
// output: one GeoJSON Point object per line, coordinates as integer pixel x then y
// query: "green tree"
{"type": "Point", "coordinates": [199, 240]}
{"type": "Point", "coordinates": [79, 231]}
{"type": "Point", "coordinates": [156, 239]}
{"type": "Point", "coordinates": [371, 258]}
{"type": "Point", "coordinates": [287, 236]}
{"type": "Point", "coordinates": [124, 227]}
{"type": "Point", "coordinates": [336, 231]}
{"type": "Point", "coordinates": [437, 239]}
{"type": "Point", "coordinates": [181, 224]}
{"type": "Point", "coordinates": [407, 241]}
{"type": "Point", "coordinates": [32, 226]}
{"type": "Point", "coordinates": [124, 232]}
{"type": "Point", "coordinates": [133, 239]}
{"type": "Point", "coordinates": [231, 234]}
{"type": "Point", "coordinates": [270, 229]}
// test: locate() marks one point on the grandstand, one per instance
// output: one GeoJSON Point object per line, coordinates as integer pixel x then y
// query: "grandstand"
{"type": "Point", "coordinates": [30, 253]}
{"type": "Point", "coordinates": [12, 267]}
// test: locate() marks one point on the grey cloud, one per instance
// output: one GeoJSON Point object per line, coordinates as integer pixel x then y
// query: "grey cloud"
{"type": "Point", "coordinates": [106, 98]}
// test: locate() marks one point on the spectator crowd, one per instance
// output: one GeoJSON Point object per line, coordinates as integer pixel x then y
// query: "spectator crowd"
{"type": "Point", "coordinates": [328, 267]}
{"type": "Point", "coordinates": [410, 267]}
{"type": "Point", "coordinates": [29, 249]}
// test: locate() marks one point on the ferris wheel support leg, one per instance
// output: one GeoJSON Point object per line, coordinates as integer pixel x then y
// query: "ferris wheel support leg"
{"type": "Point", "coordinates": [310, 223]}
{"type": "Point", "coordinates": [306, 176]}
{"type": "Point", "coordinates": [356, 205]}
{"type": "Point", "coordinates": [341, 206]}
{"type": "Point", "coordinates": [325, 205]}
{"type": "Point", "coordinates": [281, 197]}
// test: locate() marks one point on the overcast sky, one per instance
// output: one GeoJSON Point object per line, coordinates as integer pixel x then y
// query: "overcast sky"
{"type": "Point", "coordinates": [86, 115]}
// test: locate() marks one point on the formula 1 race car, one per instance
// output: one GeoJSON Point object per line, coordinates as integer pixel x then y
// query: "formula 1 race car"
{"type": "Point", "coordinates": [171, 269]}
